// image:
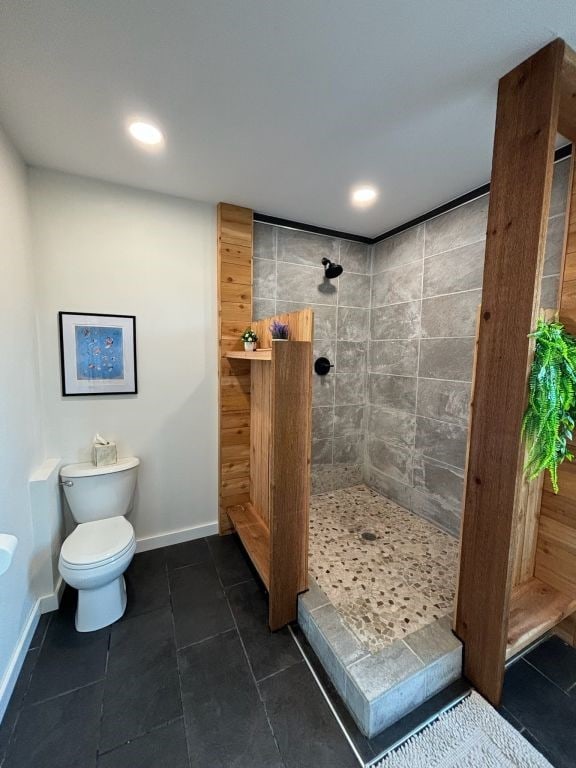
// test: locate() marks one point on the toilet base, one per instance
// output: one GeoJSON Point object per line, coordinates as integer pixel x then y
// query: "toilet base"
{"type": "Point", "coordinates": [102, 606]}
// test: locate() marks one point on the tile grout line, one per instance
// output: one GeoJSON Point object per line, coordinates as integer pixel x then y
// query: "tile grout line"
{"type": "Point", "coordinates": [247, 658]}
{"type": "Point", "coordinates": [176, 651]}
{"type": "Point", "coordinates": [327, 699]}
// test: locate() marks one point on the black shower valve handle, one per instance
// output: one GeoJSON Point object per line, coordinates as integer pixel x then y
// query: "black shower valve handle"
{"type": "Point", "coordinates": [322, 366]}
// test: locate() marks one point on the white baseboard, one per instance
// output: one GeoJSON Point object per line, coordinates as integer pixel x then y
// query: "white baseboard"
{"type": "Point", "coordinates": [51, 602]}
{"type": "Point", "coordinates": [44, 604]}
{"type": "Point", "coordinates": [17, 659]}
{"type": "Point", "coordinates": [176, 537]}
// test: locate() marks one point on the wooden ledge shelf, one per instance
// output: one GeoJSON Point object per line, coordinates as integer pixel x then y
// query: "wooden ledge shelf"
{"type": "Point", "coordinates": [535, 608]}
{"type": "Point", "coordinates": [255, 537]}
{"type": "Point", "coordinates": [259, 354]}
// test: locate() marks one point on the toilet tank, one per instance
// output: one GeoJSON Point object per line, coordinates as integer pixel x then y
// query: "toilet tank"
{"type": "Point", "coordinates": [96, 493]}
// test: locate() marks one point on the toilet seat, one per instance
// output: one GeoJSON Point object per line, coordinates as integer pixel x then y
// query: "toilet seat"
{"type": "Point", "coordinates": [97, 543]}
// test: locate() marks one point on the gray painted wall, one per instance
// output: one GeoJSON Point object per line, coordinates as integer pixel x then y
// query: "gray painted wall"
{"type": "Point", "coordinates": [399, 325]}
{"type": "Point", "coordinates": [426, 287]}
{"type": "Point", "coordinates": [288, 275]}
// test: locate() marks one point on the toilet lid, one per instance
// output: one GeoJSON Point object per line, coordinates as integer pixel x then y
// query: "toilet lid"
{"type": "Point", "coordinates": [98, 542]}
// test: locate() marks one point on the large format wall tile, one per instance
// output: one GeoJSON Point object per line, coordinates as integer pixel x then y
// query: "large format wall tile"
{"type": "Point", "coordinates": [348, 451]}
{"type": "Point", "coordinates": [443, 482]}
{"type": "Point", "coordinates": [395, 392]}
{"type": "Point", "coordinates": [323, 390]}
{"type": "Point", "coordinates": [395, 427]}
{"type": "Point", "coordinates": [324, 316]}
{"type": "Point", "coordinates": [560, 182]}
{"type": "Point", "coordinates": [304, 284]}
{"type": "Point", "coordinates": [397, 321]}
{"type": "Point", "coordinates": [549, 298]}
{"type": "Point", "coordinates": [446, 359]}
{"type": "Point", "coordinates": [458, 270]}
{"type": "Point", "coordinates": [350, 388]}
{"type": "Point", "coordinates": [351, 356]}
{"type": "Point", "coordinates": [305, 247]}
{"type": "Point", "coordinates": [355, 257]}
{"type": "Point", "coordinates": [392, 460]}
{"type": "Point", "coordinates": [324, 348]}
{"type": "Point", "coordinates": [322, 422]}
{"type": "Point", "coordinates": [264, 279]}
{"type": "Point", "coordinates": [263, 308]}
{"type": "Point", "coordinates": [393, 489]}
{"type": "Point", "coordinates": [462, 226]}
{"type": "Point", "coordinates": [554, 245]}
{"type": "Point", "coordinates": [398, 357]}
{"type": "Point", "coordinates": [354, 290]}
{"type": "Point", "coordinates": [400, 249]}
{"type": "Point", "coordinates": [436, 510]}
{"type": "Point", "coordinates": [348, 420]}
{"type": "Point", "coordinates": [396, 285]}
{"type": "Point", "coordinates": [352, 324]}
{"type": "Point", "coordinates": [288, 276]}
{"type": "Point", "coordinates": [444, 400]}
{"type": "Point", "coordinates": [322, 451]}
{"type": "Point", "coordinates": [441, 441]}
{"type": "Point", "coordinates": [264, 241]}
{"type": "Point", "coordinates": [451, 315]}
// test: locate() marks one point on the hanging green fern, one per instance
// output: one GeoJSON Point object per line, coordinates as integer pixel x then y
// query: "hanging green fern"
{"type": "Point", "coordinates": [549, 419]}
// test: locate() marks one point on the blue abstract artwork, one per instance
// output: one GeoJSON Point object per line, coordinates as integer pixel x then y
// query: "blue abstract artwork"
{"type": "Point", "coordinates": [99, 352]}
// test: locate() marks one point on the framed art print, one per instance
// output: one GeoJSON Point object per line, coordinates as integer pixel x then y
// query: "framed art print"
{"type": "Point", "coordinates": [97, 354]}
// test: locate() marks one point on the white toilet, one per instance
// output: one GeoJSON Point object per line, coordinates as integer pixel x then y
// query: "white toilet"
{"type": "Point", "coordinates": [96, 554]}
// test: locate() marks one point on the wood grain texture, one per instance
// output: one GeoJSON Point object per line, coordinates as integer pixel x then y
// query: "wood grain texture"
{"type": "Point", "coordinates": [555, 561]}
{"type": "Point", "coordinates": [255, 537]}
{"type": "Point", "coordinates": [300, 324]}
{"type": "Point", "coordinates": [567, 116]}
{"type": "Point", "coordinates": [291, 399]}
{"type": "Point", "coordinates": [526, 122]}
{"type": "Point", "coordinates": [535, 608]}
{"type": "Point", "coordinates": [273, 524]}
{"type": "Point", "coordinates": [260, 449]}
{"type": "Point", "coordinates": [234, 256]}
{"type": "Point", "coordinates": [567, 630]}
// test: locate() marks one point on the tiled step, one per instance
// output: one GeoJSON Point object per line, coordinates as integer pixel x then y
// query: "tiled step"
{"type": "Point", "coordinates": [379, 688]}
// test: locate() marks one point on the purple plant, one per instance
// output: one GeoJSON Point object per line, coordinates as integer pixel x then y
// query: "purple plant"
{"type": "Point", "coordinates": [279, 330]}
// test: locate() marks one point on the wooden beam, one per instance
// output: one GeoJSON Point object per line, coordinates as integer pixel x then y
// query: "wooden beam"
{"type": "Point", "coordinates": [234, 235]}
{"type": "Point", "coordinates": [526, 123]}
{"type": "Point", "coordinates": [567, 115]}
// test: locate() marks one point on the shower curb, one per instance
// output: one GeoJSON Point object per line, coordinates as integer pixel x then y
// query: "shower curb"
{"type": "Point", "coordinates": [379, 688]}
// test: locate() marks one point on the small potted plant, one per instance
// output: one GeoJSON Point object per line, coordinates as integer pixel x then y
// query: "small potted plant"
{"type": "Point", "coordinates": [279, 330]}
{"type": "Point", "coordinates": [249, 338]}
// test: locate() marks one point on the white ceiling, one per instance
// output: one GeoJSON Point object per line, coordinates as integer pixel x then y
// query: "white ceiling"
{"type": "Point", "coordinates": [279, 105]}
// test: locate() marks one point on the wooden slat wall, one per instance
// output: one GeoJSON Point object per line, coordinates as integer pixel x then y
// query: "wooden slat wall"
{"type": "Point", "coordinates": [290, 491]}
{"type": "Point", "coordinates": [556, 543]}
{"type": "Point", "coordinates": [260, 427]}
{"type": "Point", "coordinates": [235, 313]}
{"type": "Point", "coordinates": [526, 122]}
{"type": "Point", "coordinates": [301, 328]}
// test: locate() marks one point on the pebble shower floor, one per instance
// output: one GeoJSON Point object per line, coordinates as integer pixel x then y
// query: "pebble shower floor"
{"type": "Point", "coordinates": [387, 571]}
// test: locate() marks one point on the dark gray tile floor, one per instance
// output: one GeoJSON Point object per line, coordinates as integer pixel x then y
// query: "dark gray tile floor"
{"type": "Point", "coordinates": [190, 677]}
{"type": "Point", "coordinates": [540, 700]}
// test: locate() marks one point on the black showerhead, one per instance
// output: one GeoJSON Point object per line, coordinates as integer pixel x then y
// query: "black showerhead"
{"type": "Point", "coordinates": [331, 270]}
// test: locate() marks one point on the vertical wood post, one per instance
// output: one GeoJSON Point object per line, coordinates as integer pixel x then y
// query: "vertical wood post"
{"type": "Point", "coordinates": [234, 315]}
{"type": "Point", "coordinates": [526, 124]}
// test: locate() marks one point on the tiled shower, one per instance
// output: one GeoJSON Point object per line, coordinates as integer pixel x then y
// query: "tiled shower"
{"type": "Point", "coordinates": [399, 326]}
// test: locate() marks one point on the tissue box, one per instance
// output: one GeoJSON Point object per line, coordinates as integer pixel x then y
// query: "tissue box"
{"type": "Point", "coordinates": [104, 454]}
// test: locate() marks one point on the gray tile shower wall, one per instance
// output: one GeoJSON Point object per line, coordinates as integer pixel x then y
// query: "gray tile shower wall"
{"type": "Point", "coordinates": [426, 287]}
{"type": "Point", "coordinates": [288, 275]}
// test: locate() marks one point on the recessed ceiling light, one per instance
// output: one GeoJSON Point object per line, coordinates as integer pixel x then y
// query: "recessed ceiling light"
{"type": "Point", "coordinates": [145, 133]}
{"type": "Point", "coordinates": [363, 196]}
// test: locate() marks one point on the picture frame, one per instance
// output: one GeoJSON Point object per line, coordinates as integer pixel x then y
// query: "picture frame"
{"type": "Point", "coordinates": [97, 354]}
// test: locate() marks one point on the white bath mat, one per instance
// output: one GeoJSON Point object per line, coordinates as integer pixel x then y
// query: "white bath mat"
{"type": "Point", "coordinates": [472, 735]}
